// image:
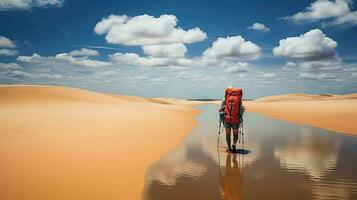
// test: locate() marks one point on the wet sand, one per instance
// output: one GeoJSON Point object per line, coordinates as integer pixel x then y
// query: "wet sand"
{"type": "Point", "coordinates": [66, 143]}
{"type": "Point", "coordinates": [332, 112]}
{"type": "Point", "coordinates": [284, 161]}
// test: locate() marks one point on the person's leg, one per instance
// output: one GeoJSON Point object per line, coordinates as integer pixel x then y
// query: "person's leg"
{"type": "Point", "coordinates": [228, 137]}
{"type": "Point", "coordinates": [235, 135]}
{"type": "Point", "coordinates": [235, 138]}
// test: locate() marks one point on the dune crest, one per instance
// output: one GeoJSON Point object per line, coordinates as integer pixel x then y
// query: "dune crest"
{"type": "Point", "coordinates": [333, 112]}
{"type": "Point", "coordinates": [67, 143]}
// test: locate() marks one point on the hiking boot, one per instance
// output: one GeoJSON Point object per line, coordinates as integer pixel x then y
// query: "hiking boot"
{"type": "Point", "coordinates": [234, 148]}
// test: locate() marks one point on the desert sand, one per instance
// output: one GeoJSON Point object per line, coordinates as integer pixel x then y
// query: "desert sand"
{"type": "Point", "coordinates": [67, 143]}
{"type": "Point", "coordinates": [332, 112]}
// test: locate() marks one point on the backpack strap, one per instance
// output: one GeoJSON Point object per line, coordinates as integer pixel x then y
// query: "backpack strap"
{"type": "Point", "coordinates": [230, 112]}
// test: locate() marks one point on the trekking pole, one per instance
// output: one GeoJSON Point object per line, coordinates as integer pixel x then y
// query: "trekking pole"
{"type": "Point", "coordinates": [242, 134]}
{"type": "Point", "coordinates": [219, 131]}
{"type": "Point", "coordinates": [239, 132]}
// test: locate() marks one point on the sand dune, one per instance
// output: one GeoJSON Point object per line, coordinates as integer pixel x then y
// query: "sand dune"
{"type": "Point", "coordinates": [67, 143]}
{"type": "Point", "coordinates": [333, 112]}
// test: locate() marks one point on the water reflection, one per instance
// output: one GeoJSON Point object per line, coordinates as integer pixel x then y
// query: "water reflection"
{"type": "Point", "coordinates": [231, 182]}
{"type": "Point", "coordinates": [310, 153]}
{"type": "Point", "coordinates": [285, 161]}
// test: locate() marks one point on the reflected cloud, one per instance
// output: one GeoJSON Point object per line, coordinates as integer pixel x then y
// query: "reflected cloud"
{"type": "Point", "coordinates": [175, 164]}
{"type": "Point", "coordinates": [338, 189]}
{"type": "Point", "coordinates": [309, 152]}
{"type": "Point", "coordinates": [301, 161]}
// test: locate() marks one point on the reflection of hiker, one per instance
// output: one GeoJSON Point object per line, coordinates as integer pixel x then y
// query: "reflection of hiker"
{"type": "Point", "coordinates": [231, 181]}
{"type": "Point", "coordinates": [231, 112]}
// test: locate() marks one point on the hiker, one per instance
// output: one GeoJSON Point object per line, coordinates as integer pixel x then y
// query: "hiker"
{"type": "Point", "coordinates": [231, 112]}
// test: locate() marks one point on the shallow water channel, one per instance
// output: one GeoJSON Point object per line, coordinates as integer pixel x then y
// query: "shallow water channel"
{"type": "Point", "coordinates": [281, 161]}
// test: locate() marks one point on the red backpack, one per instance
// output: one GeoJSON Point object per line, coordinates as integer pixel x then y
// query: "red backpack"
{"type": "Point", "coordinates": [233, 103]}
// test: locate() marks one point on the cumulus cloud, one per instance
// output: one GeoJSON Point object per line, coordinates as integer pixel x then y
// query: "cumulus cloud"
{"type": "Point", "coordinates": [193, 77]}
{"type": "Point", "coordinates": [313, 45]}
{"type": "Point", "coordinates": [28, 4]}
{"type": "Point", "coordinates": [315, 76]}
{"type": "Point", "coordinates": [235, 47]}
{"type": "Point", "coordinates": [8, 52]}
{"type": "Point", "coordinates": [29, 75]}
{"type": "Point", "coordinates": [239, 67]}
{"type": "Point", "coordinates": [289, 66]}
{"type": "Point", "coordinates": [348, 19]}
{"type": "Point", "coordinates": [266, 75]}
{"type": "Point", "coordinates": [146, 30]}
{"type": "Point", "coordinates": [34, 58]}
{"type": "Point", "coordinates": [6, 43]}
{"type": "Point", "coordinates": [73, 58]}
{"type": "Point", "coordinates": [259, 27]}
{"type": "Point", "coordinates": [107, 73]}
{"type": "Point", "coordinates": [9, 66]}
{"type": "Point", "coordinates": [333, 12]}
{"type": "Point", "coordinates": [19, 74]}
{"type": "Point", "coordinates": [322, 9]}
{"type": "Point", "coordinates": [7, 47]}
{"type": "Point", "coordinates": [323, 70]}
{"type": "Point", "coordinates": [137, 60]}
{"type": "Point", "coordinates": [169, 50]}
{"type": "Point", "coordinates": [83, 52]}
{"type": "Point", "coordinates": [159, 80]}
{"type": "Point", "coordinates": [318, 66]}
{"type": "Point", "coordinates": [80, 61]}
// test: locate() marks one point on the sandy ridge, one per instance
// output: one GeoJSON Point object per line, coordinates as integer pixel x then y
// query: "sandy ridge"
{"type": "Point", "coordinates": [333, 112]}
{"type": "Point", "coordinates": [67, 143]}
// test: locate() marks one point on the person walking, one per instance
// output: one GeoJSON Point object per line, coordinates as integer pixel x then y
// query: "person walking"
{"type": "Point", "coordinates": [231, 111]}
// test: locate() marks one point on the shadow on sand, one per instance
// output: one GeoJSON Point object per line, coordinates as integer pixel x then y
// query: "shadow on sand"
{"type": "Point", "coordinates": [241, 151]}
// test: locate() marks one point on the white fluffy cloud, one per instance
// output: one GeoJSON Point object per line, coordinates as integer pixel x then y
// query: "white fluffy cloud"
{"type": "Point", "coordinates": [236, 67]}
{"type": "Point", "coordinates": [186, 76]}
{"type": "Point", "coordinates": [7, 47]}
{"type": "Point", "coordinates": [334, 12]}
{"type": "Point", "coordinates": [348, 19]}
{"type": "Point", "coordinates": [259, 27]}
{"type": "Point", "coordinates": [322, 9]}
{"type": "Point", "coordinates": [235, 47]}
{"type": "Point", "coordinates": [80, 59]}
{"type": "Point", "coordinates": [320, 70]}
{"type": "Point", "coordinates": [313, 45]}
{"type": "Point", "coordinates": [136, 60]}
{"type": "Point", "coordinates": [169, 50]}
{"type": "Point", "coordinates": [319, 66]}
{"type": "Point", "coordinates": [267, 75]}
{"type": "Point", "coordinates": [30, 75]}
{"type": "Point", "coordinates": [146, 30]}
{"type": "Point", "coordinates": [9, 66]}
{"type": "Point", "coordinates": [34, 58]}
{"type": "Point", "coordinates": [8, 52]}
{"type": "Point", "coordinates": [28, 4]}
{"type": "Point", "coordinates": [314, 55]}
{"type": "Point", "coordinates": [6, 43]}
{"type": "Point", "coordinates": [290, 64]}
{"type": "Point", "coordinates": [83, 52]}
{"type": "Point", "coordinates": [315, 76]}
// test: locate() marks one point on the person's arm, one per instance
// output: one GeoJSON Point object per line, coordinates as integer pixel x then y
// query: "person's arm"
{"type": "Point", "coordinates": [241, 111]}
{"type": "Point", "coordinates": [223, 105]}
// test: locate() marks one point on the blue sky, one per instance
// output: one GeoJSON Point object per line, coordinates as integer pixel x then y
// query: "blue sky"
{"type": "Point", "coordinates": [172, 48]}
